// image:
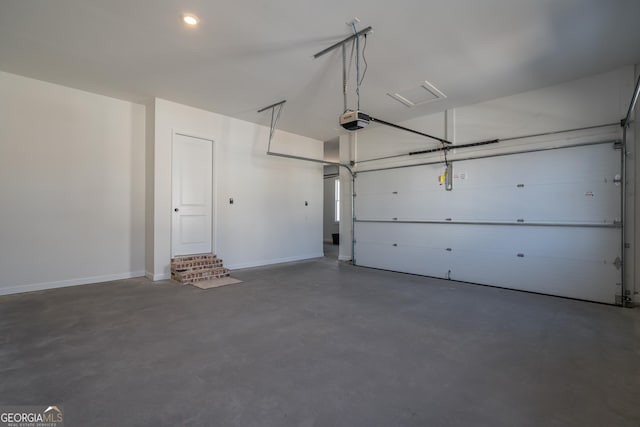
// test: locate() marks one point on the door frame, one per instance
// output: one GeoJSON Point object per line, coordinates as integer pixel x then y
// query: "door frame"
{"type": "Point", "coordinates": [214, 204]}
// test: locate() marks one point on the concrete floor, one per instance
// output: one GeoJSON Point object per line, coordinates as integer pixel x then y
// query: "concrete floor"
{"type": "Point", "coordinates": [318, 343]}
{"type": "Point", "coordinates": [331, 251]}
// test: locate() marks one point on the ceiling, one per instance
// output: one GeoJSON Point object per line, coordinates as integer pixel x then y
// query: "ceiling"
{"type": "Point", "coordinates": [248, 54]}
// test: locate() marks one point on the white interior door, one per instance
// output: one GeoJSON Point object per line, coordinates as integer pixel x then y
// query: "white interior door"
{"type": "Point", "coordinates": [192, 173]}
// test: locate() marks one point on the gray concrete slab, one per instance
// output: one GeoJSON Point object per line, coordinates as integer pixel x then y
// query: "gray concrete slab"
{"type": "Point", "coordinates": [319, 343]}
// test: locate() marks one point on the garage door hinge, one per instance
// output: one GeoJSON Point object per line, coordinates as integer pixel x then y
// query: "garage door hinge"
{"type": "Point", "coordinates": [617, 145]}
{"type": "Point", "coordinates": [618, 263]}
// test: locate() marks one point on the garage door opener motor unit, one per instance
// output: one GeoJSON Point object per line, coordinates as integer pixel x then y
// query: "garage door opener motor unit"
{"type": "Point", "coordinates": [354, 120]}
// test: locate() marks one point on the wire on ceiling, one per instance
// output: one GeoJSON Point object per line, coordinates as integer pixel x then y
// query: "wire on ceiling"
{"type": "Point", "coordinates": [356, 41]}
{"type": "Point", "coordinates": [347, 73]}
{"type": "Point", "coordinates": [355, 46]}
{"type": "Point", "coordinates": [364, 58]}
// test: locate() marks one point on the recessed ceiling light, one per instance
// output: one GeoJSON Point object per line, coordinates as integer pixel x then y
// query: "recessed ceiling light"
{"type": "Point", "coordinates": [190, 19]}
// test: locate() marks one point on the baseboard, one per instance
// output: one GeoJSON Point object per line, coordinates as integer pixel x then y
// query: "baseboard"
{"type": "Point", "coordinates": [65, 283]}
{"type": "Point", "coordinates": [156, 277]}
{"type": "Point", "coordinates": [273, 261]}
{"type": "Point", "coordinates": [344, 258]}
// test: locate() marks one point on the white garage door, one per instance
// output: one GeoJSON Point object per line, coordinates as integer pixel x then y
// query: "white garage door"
{"type": "Point", "coordinates": [545, 221]}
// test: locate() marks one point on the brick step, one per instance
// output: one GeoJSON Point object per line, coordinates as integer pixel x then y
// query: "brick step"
{"type": "Point", "coordinates": [189, 277]}
{"type": "Point", "coordinates": [212, 270]}
{"type": "Point", "coordinates": [189, 269]}
{"type": "Point", "coordinates": [194, 258]}
{"type": "Point", "coordinates": [195, 265]}
{"type": "Point", "coordinates": [200, 257]}
{"type": "Point", "coordinates": [201, 279]}
{"type": "Point", "coordinates": [196, 269]}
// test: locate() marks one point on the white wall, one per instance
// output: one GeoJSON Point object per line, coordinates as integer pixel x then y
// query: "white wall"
{"type": "Point", "coordinates": [150, 142]}
{"type": "Point", "coordinates": [268, 222]}
{"type": "Point", "coordinates": [71, 184]}
{"type": "Point", "coordinates": [331, 154]}
{"type": "Point", "coordinates": [332, 150]}
{"type": "Point", "coordinates": [591, 101]}
{"type": "Point", "coordinates": [347, 152]}
{"type": "Point", "coordinates": [330, 225]}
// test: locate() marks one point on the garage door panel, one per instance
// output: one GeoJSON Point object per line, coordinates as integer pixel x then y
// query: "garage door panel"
{"type": "Point", "coordinates": [564, 186]}
{"type": "Point", "coordinates": [571, 262]}
{"type": "Point", "coordinates": [399, 248]}
{"type": "Point", "coordinates": [590, 204]}
{"type": "Point", "coordinates": [580, 279]}
{"type": "Point", "coordinates": [564, 206]}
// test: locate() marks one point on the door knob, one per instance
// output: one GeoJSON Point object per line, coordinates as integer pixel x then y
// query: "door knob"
{"type": "Point", "coordinates": [176, 210]}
